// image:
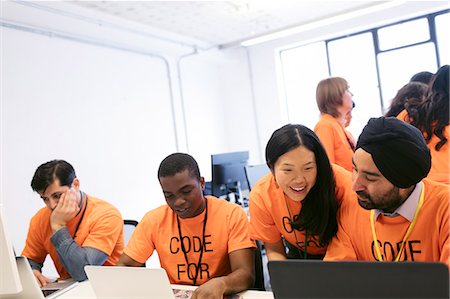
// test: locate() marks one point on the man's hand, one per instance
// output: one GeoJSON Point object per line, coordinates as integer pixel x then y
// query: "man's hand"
{"type": "Point", "coordinates": [65, 210]}
{"type": "Point", "coordinates": [41, 279]}
{"type": "Point", "coordinates": [212, 289]}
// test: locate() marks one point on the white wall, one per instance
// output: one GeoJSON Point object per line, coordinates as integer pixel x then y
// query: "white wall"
{"type": "Point", "coordinates": [102, 110]}
{"type": "Point", "coordinates": [109, 104]}
{"type": "Point", "coordinates": [220, 115]}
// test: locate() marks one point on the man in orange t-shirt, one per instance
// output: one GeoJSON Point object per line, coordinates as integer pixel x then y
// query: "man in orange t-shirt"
{"type": "Point", "coordinates": [76, 229]}
{"type": "Point", "coordinates": [404, 217]}
{"type": "Point", "coordinates": [200, 240]}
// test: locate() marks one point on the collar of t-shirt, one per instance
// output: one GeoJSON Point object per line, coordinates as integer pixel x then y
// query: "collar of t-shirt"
{"type": "Point", "coordinates": [83, 195]}
{"type": "Point", "coordinates": [408, 208]}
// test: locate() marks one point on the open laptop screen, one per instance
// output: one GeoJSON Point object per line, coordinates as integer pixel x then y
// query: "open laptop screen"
{"type": "Point", "coordinates": [9, 275]}
{"type": "Point", "coordinates": [358, 279]}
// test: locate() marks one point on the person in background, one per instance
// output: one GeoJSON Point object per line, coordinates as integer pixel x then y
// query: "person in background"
{"type": "Point", "coordinates": [334, 101]}
{"type": "Point", "coordinates": [76, 229]}
{"type": "Point", "coordinates": [413, 91]}
{"type": "Point", "coordinates": [399, 215]}
{"type": "Point", "coordinates": [293, 208]}
{"type": "Point", "coordinates": [348, 119]}
{"type": "Point", "coordinates": [200, 240]}
{"type": "Point", "coordinates": [422, 77]}
{"type": "Point", "coordinates": [431, 116]}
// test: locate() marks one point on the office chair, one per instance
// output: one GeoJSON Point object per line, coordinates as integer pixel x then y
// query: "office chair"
{"type": "Point", "coordinates": [259, 272]}
{"type": "Point", "coordinates": [128, 228]}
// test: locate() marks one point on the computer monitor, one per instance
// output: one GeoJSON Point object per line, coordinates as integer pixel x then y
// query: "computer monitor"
{"type": "Point", "coordinates": [9, 274]}
{"type": "Point", "coordinates": [228, 173]}
{"type": "Point", "coordinates": [255, 172]}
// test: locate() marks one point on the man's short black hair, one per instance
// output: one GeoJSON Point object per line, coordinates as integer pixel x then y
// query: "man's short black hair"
{"type": "Point", "coordinates": [48, 172]}
{"type": "Point", "coordinates": [176, 163]}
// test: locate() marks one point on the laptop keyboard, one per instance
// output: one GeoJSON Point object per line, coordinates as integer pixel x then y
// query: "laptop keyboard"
{"type": "Point", "coordinates": [48, 292]}
{"type": "Point", "coordinates": [187, 294]}
{"type": "Point", "coordinates": [182, 294]}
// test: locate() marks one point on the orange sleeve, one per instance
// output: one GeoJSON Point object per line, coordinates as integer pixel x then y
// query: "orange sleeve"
{"type": "Point", "coordinates": [445, 241]}
{"type": "Point", "coordinates": [444, 229]}
{"type": "Point", "coordinates": [341, 246]}
{"type": "Point", "coordinates": [262, 225]}
{"type": "Point", "coordinates": [140, 246]}
{"type": "Point", "coordinates": [105, 233]}
{"type": "Point", "coordinates": [34, 245]}
{"type": "Point", "coordinates": [343, 179]}
{"type": "Point", "coordinates": [239, 235]}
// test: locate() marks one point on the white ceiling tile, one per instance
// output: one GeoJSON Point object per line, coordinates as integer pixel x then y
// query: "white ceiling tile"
{"type": "Point", "coordinates": [222, 22]}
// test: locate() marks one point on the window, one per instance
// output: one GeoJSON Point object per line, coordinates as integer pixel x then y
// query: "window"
{"type": "Point", "coordinates": [300, 81]}
{"type": "Point", "coordinates": [407, 33]}
{"type": "Point", "coordinates": [397, 67]}
{"type": "Point", "coordinates": [442, 25]}
{"type": "Point", "coordinates": [375, 62]}
{"type": "Point", "coordinates": [353, 59]}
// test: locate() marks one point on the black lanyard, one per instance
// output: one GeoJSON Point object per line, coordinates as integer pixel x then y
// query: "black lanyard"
{"type": "Point", "coordinates": [197, 269]}
{"type": "Point", "coordinates": [82, 215]}
{"type": "Point", "coordinates": [305, 245]}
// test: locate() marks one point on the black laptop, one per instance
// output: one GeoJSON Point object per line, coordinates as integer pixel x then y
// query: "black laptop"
{"type": "Point", "coordinates": [358, 279]}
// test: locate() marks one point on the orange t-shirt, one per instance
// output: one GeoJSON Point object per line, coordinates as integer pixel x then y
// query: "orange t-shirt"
{"type": "Point", "coordinates": [334, 139]}
{"type": "Point", "coordinates": [269, 215]}
{"type": "Point", "coordinates": [227, 230]}
{"type": "Point", "coordinates": [351, 139]}
{"type": "Point", "coordinates": [101, 228]}
{"type": "Point", "coordinates": [429, 239]}
{"type": "Point", "coordinates": [440, 160]}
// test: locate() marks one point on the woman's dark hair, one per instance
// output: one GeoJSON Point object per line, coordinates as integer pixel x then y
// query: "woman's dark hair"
{"type": "Point", "coordinates": [412, 90]}
{"type": "Point", "coordinates": [319, 208]}
{"type": "Point", "coordinates": [432, 115]}
{"type": "Point", "coordinates": [178, 162]}
{"type": "Point", "coordinates": [48, 172]}
{"type": "Point", "coordinates": [423, 77]}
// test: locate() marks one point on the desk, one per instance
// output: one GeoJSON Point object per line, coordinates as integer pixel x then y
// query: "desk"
{"type": "Point", "coordinates": [84, 290]}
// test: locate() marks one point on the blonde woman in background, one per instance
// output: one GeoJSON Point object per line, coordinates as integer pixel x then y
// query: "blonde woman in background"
{"type": "Point", "coordinates": [334, 101]}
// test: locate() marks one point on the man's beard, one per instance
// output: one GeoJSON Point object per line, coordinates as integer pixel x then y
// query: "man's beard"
{"type": "Point", "coordinates": [388, 206]}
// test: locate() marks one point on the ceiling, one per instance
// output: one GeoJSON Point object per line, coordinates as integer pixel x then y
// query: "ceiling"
{"type": "Point", "coordinates": [221, 23]}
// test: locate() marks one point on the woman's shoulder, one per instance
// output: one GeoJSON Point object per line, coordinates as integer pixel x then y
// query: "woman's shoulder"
{"type": "Point", "coordinates": [266, 186]}
{"type": "Point", "coordinates": [403, 115]}
{"type": "Point", "coordinates": [340, 173]}
{"type": "Point", "coordinates": [158, 213]}
{"type": "Point", "coordinates": [343, 184]}
{"type": "Point", "coordinates": [327, 120]}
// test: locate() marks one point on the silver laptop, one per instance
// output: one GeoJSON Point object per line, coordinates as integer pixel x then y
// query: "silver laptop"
{"type": "Point", "coordinates": [17, 280]}
{"type": "Point", "coordinates": [30, 286]}
{"type": "Point", "coordinates": [358, 279]}
{"type": "Point", "coordinates": [129, 282]}
{"type": "Point", "coordinates": [9, 275]}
